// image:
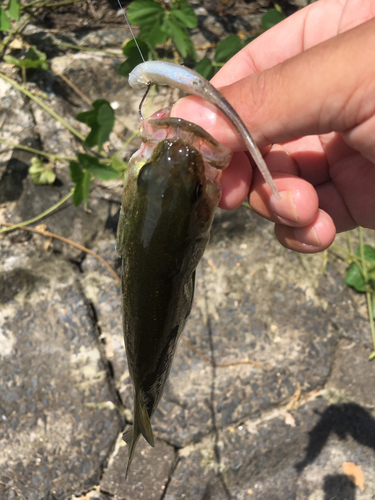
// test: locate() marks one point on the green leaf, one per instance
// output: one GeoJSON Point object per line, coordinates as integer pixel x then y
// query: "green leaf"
{"type": "Point", "coordinates": [81, 173]}
{"type": "Point", "coordinates": [78, 193]}
{"type": "Point", "coordinates": [204, 67]}
{"type": "Point", "coordinates": [178, 36]}
{"type": "Point", "coordinates": [354, 276]}
{"type": "Point", "coordinates": [131, 49]}
{"type": "Point", "coordinates": [76, 173]}
{"type": "Point", "coordinates": [154, 36]}
{"type": "Point", "coordinates": [369, 253]}
{"type": "Point", "coordinates": [14, 9]}
{"type": "Point", "coordinates": [37, 166]}
{"type": "Point", "coordinates": [181, 39]}
{"type": "Point", "coordinates": [134, 57]}
{"type": "Point", "coordinates": [144, 12]}
{"type": "Point", "coordinates": [47, 177]}
{"type": "Point", "coordinates": [182, 11]}
{"type": "Point", "coordinates": [227, 48]}
{"type": "Point", "coordinates": [355, 279]}
{"type": "Point", "coordinates": [86, 188]}
{"type": "Point", "coordinates": [82, 189]}
{"type": "Point", "coordinates": [272, 17]}
{"type": "Point", "coordinates": [41, 173]}
{"type": "Point", "coordinates": [104, 172]}
{"type": "Point", "coordinates": [33, 59]}
{"type": "Point", "coordinates": [97, 169]}
{"type": "Point", "coordinates": [35, 55]}
{"type": "Point", "coordinates": [13, 60]}
{"type": "Point", "coordinates": [4, 20]}
{"type": "Point", "coordinates": [88, 117]}
{"type": "Point", "coordinates": [106, 115]}
{"type": "Point", "coordinates": [127, 66]}
{"type": "Point", "coordinates": [119, 165]}
{"type": "Point", "coordinates": [101, 120]}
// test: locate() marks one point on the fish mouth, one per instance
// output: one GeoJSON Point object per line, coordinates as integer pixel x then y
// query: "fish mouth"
{"type": "Point", "coordinates": [183, 163]}
{"type": "Point", "coordinates": [161, 126]}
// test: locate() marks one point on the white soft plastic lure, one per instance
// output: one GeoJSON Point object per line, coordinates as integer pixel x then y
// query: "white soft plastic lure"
{"type": "Point", "coordinates": [191, 82]}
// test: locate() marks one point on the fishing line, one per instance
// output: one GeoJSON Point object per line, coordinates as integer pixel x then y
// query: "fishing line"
{"type": "Point", "coordinates": [131, 31]}
{"type": "Point", "coordinates": [140, 52]}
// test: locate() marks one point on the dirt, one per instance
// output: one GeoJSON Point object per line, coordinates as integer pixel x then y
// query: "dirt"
{"type": "Point", "coordinates": [83, 15]}
{"type": "Point", "coordinates": [100, 14]}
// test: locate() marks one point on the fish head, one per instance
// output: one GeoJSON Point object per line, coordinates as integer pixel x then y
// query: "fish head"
{"type": "Point", "coordinates": [171, 192]}
{"type": "Point", "coordinates": [182, 192]}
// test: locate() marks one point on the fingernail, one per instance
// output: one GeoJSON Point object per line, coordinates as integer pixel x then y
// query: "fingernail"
{"type": "Point", "coordinates": [285, 209]}
{"type": "Point", "coordinates": [307, 235]}
{"type": "Point", "coordinates": [198, 112]}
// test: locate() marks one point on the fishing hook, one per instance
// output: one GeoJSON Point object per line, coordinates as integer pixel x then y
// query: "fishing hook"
{"type": "Point", "coordinates": [142, 101]}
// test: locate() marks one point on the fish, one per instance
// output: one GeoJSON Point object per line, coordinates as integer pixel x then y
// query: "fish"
{"type": "Point", "coordinates": [171, 191]}
{"type": "Point", "coordinates": [191, 82]}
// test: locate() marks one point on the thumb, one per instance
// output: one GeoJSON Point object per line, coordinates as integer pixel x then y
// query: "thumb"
{"type": "Point", "coordinates": [326, 88]}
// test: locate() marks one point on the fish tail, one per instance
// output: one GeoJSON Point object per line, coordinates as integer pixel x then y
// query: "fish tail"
{"type": "Point", "coordinates": [141, 425]}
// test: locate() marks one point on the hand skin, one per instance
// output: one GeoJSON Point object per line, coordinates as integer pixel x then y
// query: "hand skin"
{"type": "Point", "coordinates": [306, 91]}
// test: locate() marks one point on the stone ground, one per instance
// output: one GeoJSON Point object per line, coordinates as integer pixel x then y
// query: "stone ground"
{"type": "Point", "coordinates": [271, 391]}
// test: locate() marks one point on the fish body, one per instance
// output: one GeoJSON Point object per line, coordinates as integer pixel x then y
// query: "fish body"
{"type": "Point", "coordinates": [191, 82]}
{"type": "Point", "coordinates": [171, 192]}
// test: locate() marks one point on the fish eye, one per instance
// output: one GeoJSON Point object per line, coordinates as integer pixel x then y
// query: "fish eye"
{"type": "Point", "coordinates": [199, 190]}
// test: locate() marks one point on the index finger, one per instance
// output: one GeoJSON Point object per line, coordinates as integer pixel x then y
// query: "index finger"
{"type": "Point", "coordinates": [306, 28]}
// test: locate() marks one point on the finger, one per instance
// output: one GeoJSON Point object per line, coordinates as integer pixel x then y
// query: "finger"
{"type": "Point", "coordinates": [235, 182]}
{"type": "Point", "coordinates": [308, 156]}
{"type": "Point", "coordinates": [333, 204]}
{"type": "Point", "coordinates": [207, 116]}
{"type": "Point", "coordinates": [306, 28]}
{"type": "Point", "coordinates": [312, 238]}
{"type": "Point", "coordinates": [291, 100]}
{"type": "Point", "coordinates": [343, 178]}
{"type": "Point", "coordinates": [299, 202]}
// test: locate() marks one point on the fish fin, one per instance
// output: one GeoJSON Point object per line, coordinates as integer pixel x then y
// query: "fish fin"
{"type": "Point", "coordinates": [142, 418]}
{"type": "Point", "coordinates": [131, 437]}
{"type": "Point", "coordinates": [142, 425]}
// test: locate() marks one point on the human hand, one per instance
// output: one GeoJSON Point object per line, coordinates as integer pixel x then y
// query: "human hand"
{"type": "Point", "coordinates": [305, 89]}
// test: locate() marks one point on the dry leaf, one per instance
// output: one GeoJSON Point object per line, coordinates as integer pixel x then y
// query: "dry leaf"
{"type": "Point", "coordinates": [289, 420]}
{"type": "Point", "coordinates": [212, 265]}
{"type": "Point", "coordinates": [17, 43]}
{"type": "Point", "coordinates": [355, 474]}
{"type": "Point", "coordinates": [48, 244]}
{"type": "Point", "coordinates": [295, 397]}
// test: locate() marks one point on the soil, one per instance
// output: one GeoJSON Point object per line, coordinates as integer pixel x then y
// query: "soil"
{"type": "Point", "coordinates": [84, 15]}
{"type": "Point", "coordinates": [101, 14]}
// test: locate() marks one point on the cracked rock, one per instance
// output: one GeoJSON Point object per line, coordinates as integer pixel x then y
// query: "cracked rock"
{"type": "Point", "coordinates": [148, 475]}
{"type": "Point", "coordinates": [57, 409]}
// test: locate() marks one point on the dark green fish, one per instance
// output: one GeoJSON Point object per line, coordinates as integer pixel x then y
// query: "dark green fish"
{"type": "Point", "coordinates": [171, 192]}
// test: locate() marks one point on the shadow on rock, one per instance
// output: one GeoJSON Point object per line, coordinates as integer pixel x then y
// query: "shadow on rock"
{"type": "Point", "coordinates": [112, 219]}
{"type": "Point", "coordinates": [343, 420]}
{"type": "Point", "coordinates": [16, 281]}
{"type": "Point", "coordinates": [17, 169]}
{"type": "Point", "coordinates": [338, 487]}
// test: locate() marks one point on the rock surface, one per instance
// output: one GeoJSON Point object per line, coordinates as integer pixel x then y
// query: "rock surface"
{"type": "Point", "coordinates": [271, 391]}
